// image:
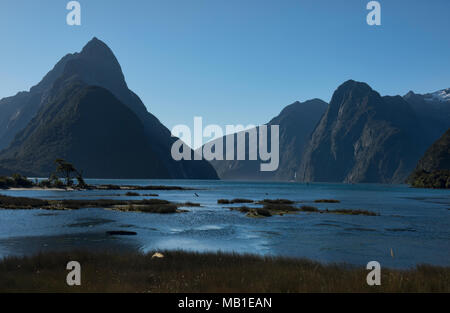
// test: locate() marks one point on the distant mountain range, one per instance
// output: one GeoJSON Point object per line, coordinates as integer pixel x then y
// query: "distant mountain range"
{"type": "Point", "coordinates": [359, 137]}
{"type": "Point", "coordinates": [296, 121]}
{"type": "Point", "coordinates": [84, 112]}
{"type": "Point", "coordinates": [105, 131]}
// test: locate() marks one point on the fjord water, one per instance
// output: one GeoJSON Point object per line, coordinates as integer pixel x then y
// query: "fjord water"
{"type": "Point", "coordinates": [414, 223]}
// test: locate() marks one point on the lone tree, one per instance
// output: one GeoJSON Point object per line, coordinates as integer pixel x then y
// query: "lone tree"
{"type": "Point", "coordinates": [80, 179]}
{"type": "Point", "coordinates": [66, 168]}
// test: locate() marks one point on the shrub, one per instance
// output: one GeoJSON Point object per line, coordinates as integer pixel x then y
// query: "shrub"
{"type": "Point", "coordinates": [263, 212]}
{"type": "Point", "coordinates": [276, 201]}
{"type": "Point", "coordinates": [308, 208]}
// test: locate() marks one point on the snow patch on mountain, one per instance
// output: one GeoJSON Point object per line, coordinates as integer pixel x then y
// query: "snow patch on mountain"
{"type": "Point", "coordinates": [441, 95]}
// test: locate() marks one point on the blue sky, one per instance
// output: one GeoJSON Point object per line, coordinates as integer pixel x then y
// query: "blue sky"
{"type": "Point", "coordinates": [234, 61]}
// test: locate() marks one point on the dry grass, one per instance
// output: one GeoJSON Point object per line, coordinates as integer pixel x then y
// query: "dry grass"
{"type": "Point", "coordinates": [194, 272]}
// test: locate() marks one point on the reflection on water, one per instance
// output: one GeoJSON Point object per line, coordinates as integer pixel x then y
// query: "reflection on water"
{"type": "Point", "coordinates": [413, 222]}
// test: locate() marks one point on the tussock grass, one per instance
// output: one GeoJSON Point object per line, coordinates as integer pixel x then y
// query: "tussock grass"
{"type": "Point", "coordinates": [308, 208]}
{"type": "Point", "coordinates": [145, 205]}
{"type": "Point", "coordinates": [21, 202]}
{"type": "Point", "coordinates": [148, 208]}
{"type": "Point", "coordinates": [209, 272]}
{"type": "Point", "coordinates": [267, 210]}
{"type": "Point", "coordinates": [351, 212]}
{"type": "Point", "coordinates": [233, 201]}
{"type": "Point", "coordinates": [276, 201]}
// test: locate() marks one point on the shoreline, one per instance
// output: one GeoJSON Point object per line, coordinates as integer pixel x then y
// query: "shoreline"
{"type": "Point", "coordinates": [178, 271]}
{"type": "Point", "coordinates": [100, 187]}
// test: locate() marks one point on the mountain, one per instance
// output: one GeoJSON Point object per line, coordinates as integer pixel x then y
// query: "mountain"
{"type": "Point", "coordinates": [433, 169]}
{"type": "Point", "coordinates": [17, 111]}
{"type": "Point", "coordinates": [363, 137]}
{"type": "Point", "coordinates": [296, 121]}
{"type": "Point", "coordinates": [80, 124]}
{"type": "Point", "coordinates": [95, 65]}
{"type": "Point", "coordinates": [433, 110]}
{"type": "Point", "coordinates": [437, 156]}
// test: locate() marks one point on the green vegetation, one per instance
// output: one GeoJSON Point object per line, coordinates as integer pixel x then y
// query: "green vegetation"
{"type": "Point", "coordinates": [238, 200]}
{"type": "Point", "coordinates": [433, 169]}
{"type": "Point", "coordinates": [327, 201]}
{"type": "Point", "coordinates": [267, 210]}
{"type": "Point", "coordinates": [22, 203]}
{"type": "Point", "coordinates": [308, 208]}
{"type": "Point", "coordinates": [68, 171]}
{"type": "Point", "coordinates": [210, 272]}
{"type": "Point", "coordinates": [276, 201]}
{"type": "Point", "coordinates": [435, 179]}
{"type": "Point", "coordinates": [350, 212]}
{"type": "Point", "coordinates": [145, 205]}
{"type": "Point", "coordinates": [270, 209]}
{"type": "Point", "coordinates": [162, 208]}
{"type": "Point", "coordinates": [15, 181]}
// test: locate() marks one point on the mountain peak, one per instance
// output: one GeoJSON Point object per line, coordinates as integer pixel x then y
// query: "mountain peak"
{"type": "Point", "coordinates": [352, 84]}
{"type": "Point", "coordinates": [96, 47]}
{"type": "Point", "coordinates": [441, 95]}
{"type": "Point", "coordinates": [350, 89]}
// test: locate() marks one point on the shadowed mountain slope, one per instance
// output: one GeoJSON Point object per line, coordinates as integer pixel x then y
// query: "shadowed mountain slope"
{"type": "Point", "coordinates": [95, 65]}
{"type": "Point", "coordinates": [90, 127]}
{"type": "Point", "coordinates": [363, 137]}
{"type": "Point", "coordinates": [296, 122]}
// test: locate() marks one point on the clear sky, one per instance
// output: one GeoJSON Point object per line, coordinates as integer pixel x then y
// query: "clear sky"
{"type": "Point", "coordinates": [234, 61]}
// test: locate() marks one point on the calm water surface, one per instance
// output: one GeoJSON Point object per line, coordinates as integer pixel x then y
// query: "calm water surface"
{"type": "Point", "coordinates": [414, 223]}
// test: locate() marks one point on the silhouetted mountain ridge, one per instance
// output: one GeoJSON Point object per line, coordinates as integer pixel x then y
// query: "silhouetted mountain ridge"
{"type": "Point", "coordinates": [74, 125]}
{"type": "Point", "coordinates": [95, 65]}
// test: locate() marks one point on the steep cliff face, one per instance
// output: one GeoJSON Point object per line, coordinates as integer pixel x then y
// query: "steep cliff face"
{"type": "Point", "coordinates": [363, 137]}
{"type": "Point", "coordinates": [95, 65]}
{"type": "Point", "coordinates": [296, 123]}
{"type": "Point", "coordinates": [17, 111]}
{"type": "Point", "coordinates": [88, 126]}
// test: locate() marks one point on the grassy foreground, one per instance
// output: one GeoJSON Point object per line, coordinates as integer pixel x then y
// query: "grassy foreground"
{"type": "Point", "coordinates": [210, 272]}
